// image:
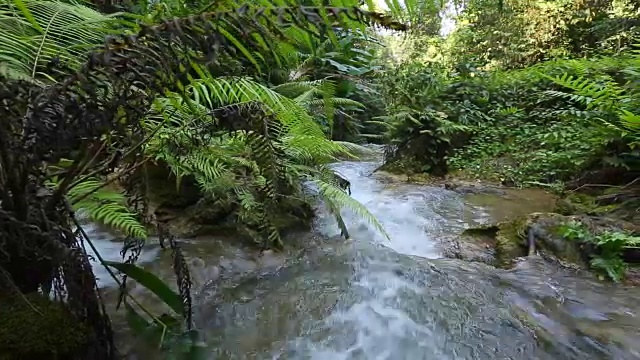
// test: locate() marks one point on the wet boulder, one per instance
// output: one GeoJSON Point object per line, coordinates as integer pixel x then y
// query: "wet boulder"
{"type": "Point", "coordinates": [495, 244]}
{"type": "Point", "coordinates": [504, 238]}
{"type": "Point", "coordinates": [475, 245]}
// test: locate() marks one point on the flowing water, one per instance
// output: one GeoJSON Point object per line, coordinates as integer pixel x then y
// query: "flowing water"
{"type": "Point", "coordinates": [377, 298]}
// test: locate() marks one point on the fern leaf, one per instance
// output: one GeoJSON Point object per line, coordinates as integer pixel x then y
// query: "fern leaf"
{"type": "Point", "coordinates": [340, 199]}
{"type": "Point", "coordinates": [105, 206]}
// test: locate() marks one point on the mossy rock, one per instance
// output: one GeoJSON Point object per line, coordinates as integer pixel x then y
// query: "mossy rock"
{"type": "Point", "coordinates": [576, 203]}
{"type": "Point", "coordinates": [38, 328]}
{"type": "Point", "coordinates": [510, 238]}
{"type": "Point", "coordinates": [165, 190]}
{"type": "Point", "coordinates": [206, 218]}
{"type": "Point", "coordinates": [510, 241]}
{"type": "Point", "coordinates": [400, 167]}
{"type": "Point", "coordinates": [550, 240]}
{"type": "Point", "coordinates": [507, 238]}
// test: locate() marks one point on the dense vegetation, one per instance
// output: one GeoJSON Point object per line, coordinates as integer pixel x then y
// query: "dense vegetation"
{"type": "Point", "coordinates": [520, 94]}
{"type": "Point", "coordinates": [228, 115]}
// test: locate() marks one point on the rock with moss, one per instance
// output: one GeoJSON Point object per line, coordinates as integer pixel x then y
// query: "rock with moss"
{"type": "Point", "coordinates": [185, 211]}
{"type": "Point", "coordinates": [548, 237]}
{"type": "Point", "coordinates": [495, 244]}
{"type": "Point", "coordinates": [510, 239]}
{"type": "Point", "coordinates": [35, 327]}
{"type": "Point", "coordinates": [207, 218]}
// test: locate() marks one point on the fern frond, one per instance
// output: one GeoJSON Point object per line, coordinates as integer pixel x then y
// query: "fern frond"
{"type": "Point", "coordinates": [355, 148]}
{"type": "Point", "coordinates": [105, 206]}
{"type": "Point", "coordinates": [295, 88]}
{"type": "Point", "coordinates": [319, 149]}
{"type": "Point", "coordinates": [338, 198]}
{"type": "Point", "coordinates": [335, 102]}
{"type": "Point", "coordinates": [601, 94]}
{"type": "Point", "coordinates": [216, 92]}
{"type": "Point", "coordinates": [316, 93]}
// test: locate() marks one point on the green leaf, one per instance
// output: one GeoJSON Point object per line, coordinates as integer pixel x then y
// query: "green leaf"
{"type": "Point", "coordinates": [27, 14]}
{"type": "Point", "coordinates": [152, 283]}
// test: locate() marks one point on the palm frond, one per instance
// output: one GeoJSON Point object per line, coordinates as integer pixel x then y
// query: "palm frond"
{"type": "Point", "coordinates": [34, 33]}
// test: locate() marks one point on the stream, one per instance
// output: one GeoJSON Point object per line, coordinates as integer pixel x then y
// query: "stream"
{"type": "Point", "coordinates": [375, 298]}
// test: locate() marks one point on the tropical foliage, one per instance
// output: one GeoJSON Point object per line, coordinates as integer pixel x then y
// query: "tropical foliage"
{"type": "Point", "coordinates": [611, 244]}
{"type": "Point", "coordinates": [521, 113]}
{"type": "Point", "coordinates": [223, 97]}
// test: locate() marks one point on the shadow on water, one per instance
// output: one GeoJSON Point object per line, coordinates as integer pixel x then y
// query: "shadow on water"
{"type": "Point", "coordinates": [377, 298]}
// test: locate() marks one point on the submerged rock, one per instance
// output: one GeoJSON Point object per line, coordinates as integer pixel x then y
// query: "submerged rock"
{"type": "Point", "coordinates": [564, 307]}
{"type": "Point", "coordinates": [467, 187]}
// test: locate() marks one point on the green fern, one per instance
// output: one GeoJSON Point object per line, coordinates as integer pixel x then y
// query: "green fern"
{"type": "Point", "coordinates": [256, 171]}
{"type": "Point", "coordinates": [606, 96]}
{"type": "Point", "coordinates": [336, 198]}
{"type": "Point", "coordinates": [217, 92]}
{"type": "Point", "coordinates": [105, 206]}
{"type": "Point", "coordinates": [603, 94]}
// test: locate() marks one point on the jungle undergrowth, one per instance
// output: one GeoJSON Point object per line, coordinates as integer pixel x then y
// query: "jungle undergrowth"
{"type": "Point", "coordinates": [607, 260]}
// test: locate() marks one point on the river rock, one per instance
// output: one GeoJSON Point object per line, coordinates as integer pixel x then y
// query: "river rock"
{"type": "Point", "coordinates": [476, 247]}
